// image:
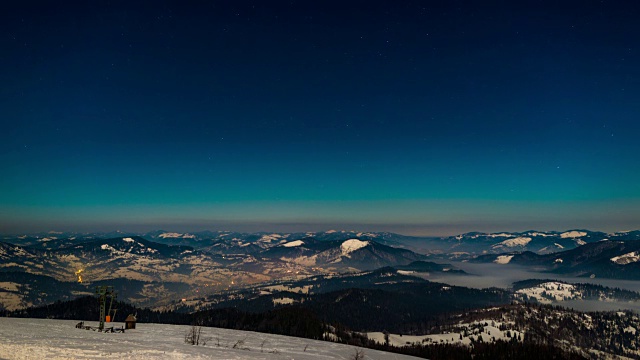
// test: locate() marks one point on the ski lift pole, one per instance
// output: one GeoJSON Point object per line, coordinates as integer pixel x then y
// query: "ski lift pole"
{"type": "Point", "coordinates": [103, 292]}
{"type": "Point", "coordinates": [111, 313]}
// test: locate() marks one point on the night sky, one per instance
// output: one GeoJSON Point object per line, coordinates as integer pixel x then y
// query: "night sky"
{"type": "Point", "coordinates": [418, 117]}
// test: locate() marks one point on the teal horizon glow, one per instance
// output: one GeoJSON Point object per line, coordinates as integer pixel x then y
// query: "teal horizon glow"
{"type": "Point", "coordinates": [428, 119]}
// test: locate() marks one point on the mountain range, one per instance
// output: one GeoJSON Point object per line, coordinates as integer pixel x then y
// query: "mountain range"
{"type": "Point", "coordinates": [159, 268]}
{"type": "Point", "coordinates": [613, 259]}
{"type": "Point", "coordinates": [156, 272]}
{"type": "Point", "coordinates": [459, 246]}
{"type": "Point", "coordinates": [470, 245]}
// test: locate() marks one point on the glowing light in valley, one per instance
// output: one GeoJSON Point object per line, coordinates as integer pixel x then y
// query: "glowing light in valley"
{"type": "Point", "coordinates": [79, 275]}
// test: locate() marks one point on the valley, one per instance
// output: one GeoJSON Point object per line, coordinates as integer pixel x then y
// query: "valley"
{"type": "Point", "coordinates": [339, 279]}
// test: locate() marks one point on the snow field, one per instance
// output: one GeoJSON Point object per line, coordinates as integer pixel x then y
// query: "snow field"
{"type": "Point", "coordinates": [489, 333]}
{"type": "Point", "coordinates": [503, 259]}
{"type": "Point", "coordinates": [59, 339]}
{"type": "Point", "coordinates": [519, 241]}
{"type": "Point", "coordinates": [573, 234]}
{"type": "Point", "coordinates": [352, 245]}
{"type": "Point", "coordinates": [548, 292]}
{"type": "Point", "coordinates": [294, 243]}
{"type": "Point", "coordinates": [626, 258]}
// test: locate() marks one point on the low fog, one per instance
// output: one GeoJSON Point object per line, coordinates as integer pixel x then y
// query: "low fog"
{"type": "Point", "coordinates": [503, 276]}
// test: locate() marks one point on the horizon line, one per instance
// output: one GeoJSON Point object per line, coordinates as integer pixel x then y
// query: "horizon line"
{"type": "Point", "coordinates": [182, 232]}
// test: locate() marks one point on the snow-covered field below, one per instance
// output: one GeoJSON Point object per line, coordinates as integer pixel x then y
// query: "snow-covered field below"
{"type": "Point", "coordinates": [551, 291]}
{"type": "Point", "coordinates": [59, 339]}
{"type": "Point", "coordinates": [462, 334]}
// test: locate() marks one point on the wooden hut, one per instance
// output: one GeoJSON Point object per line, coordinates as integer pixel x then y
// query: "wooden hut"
{"type": "Point", "coordinates": [130, 322]}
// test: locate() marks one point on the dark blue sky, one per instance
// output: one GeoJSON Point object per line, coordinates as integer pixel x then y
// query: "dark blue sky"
{"type": "Point", "coordinates": [416, 117]}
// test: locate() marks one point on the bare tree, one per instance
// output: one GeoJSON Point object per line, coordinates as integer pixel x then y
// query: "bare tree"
{"type": "Point", "coordinates": [239, 344]}
{"type": "Point", "coordinates": [194, 336]}
{"type": "Point", "coordinates": [357, 355]}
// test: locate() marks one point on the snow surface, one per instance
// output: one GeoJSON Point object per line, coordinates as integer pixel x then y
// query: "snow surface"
{"type": "Point", "coordinates": [296, 289]}
{"type": "Point", "coordinates": [283, 300]}
{"type": "Point", "coordinates": [352, 245]}
{"type": "Point", "coordinates": [551, 291]}
{"type": "Point", "coordinates": [270, 238]}
{"type": "Point", "coordinates": [538, 234]}
{"type": "Point", "coordinates": [500, 235]}
{"type": "Point", "coordinates": [59, 339]}
{"type": "Point", "coordinates": [519, 241]}
{"type": "Point", "coordinates": [405, 272]}
{"type": "Point", "coordinates": [294, 243]}
{"type": "Point", "coordinates": [626, 258]}
{"type": "Point", "coordinates": [573, 234]}
{"type": "Point", "coordinates": [176, 235]}
{"type": "Point", "coordinates": [489, 333]}
{"type": "Point", "coordinates": [503, 259]}
{"type": "Point", "coordinates": [9, 286]}
{"type": "Point", "coordinates": [12, 301]}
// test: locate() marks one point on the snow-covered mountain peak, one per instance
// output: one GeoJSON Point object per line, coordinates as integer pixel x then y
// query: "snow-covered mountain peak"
{"type": "Point", "coordinates": [107, 247]}
{"type": "Point", "coordinates": [500, 235]}
{"type": "Point", "coordinates": [626, 258]}
{"type": "Point", "coordinates": [176, 236]}
{"type": "Point", "coordinates": [271, 237]}
{"type": "Point", "coordinates": [519, 241]}
{"type": "Point", "coordinates": [503, 259]}
{"type": "Point", "coordinates": [294, 243]}
{"type": "Point", "coordinates": [351, 245]}
{"type": "Point", "coordinates": [573, 234]}
{"type": "Point", "coordinates": [538, 233]}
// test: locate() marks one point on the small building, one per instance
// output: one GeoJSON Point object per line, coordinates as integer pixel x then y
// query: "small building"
{"type": "Point", "coordinates": [130, 322]}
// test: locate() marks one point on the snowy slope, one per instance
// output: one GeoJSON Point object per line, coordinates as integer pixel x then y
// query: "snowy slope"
{"type": "Point", "coordinates": [503, 259]}
{"type": "Point", "coordinates": [626, 258]}
{"type": "Point", "coordinates": [611, 259]}
{"type": "Point", "coordinates": [519, 241]}
{"type": "Point", "coordinates": [547, 293]}
{"type": "Point", "coordinates": [460, 334]}
{"type": "Point", "coordinates": [573, 234]}
{"type": "Point", "coordinates": [352, 245]}
{"type": "Point", "coordinates": [294, 243]}
{"type": "Point", "coordinates": [475, 243]}
{"type": "Point", "coordinates": [59, 339]}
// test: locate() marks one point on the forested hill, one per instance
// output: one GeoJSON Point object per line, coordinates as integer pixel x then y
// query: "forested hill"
{"type": "Point", "coordinates": [291, 321]}
{"type": "Point", "coordinates": [298, 322]}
